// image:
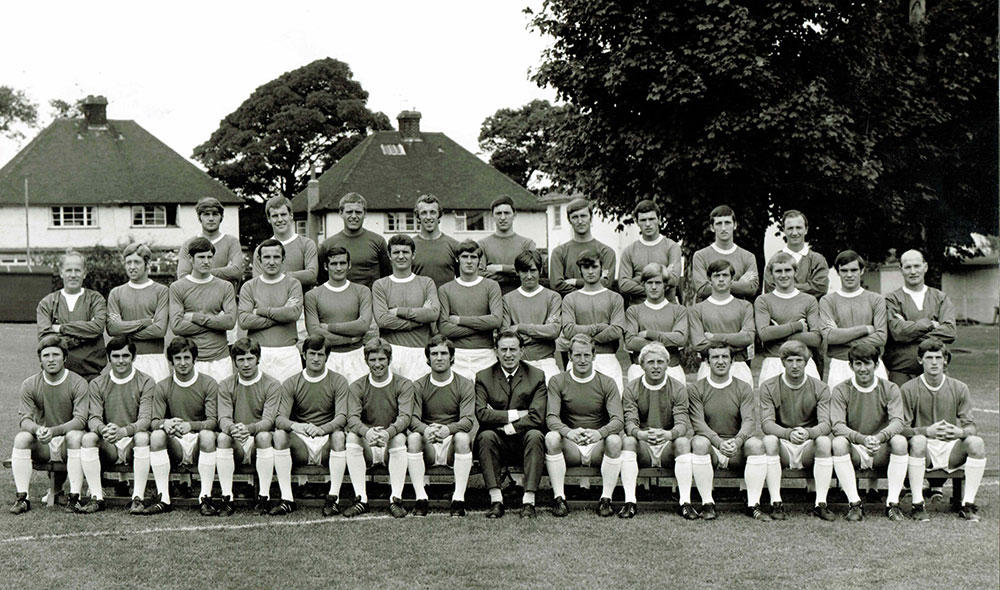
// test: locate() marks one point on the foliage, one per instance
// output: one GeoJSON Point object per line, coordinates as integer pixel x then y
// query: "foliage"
{"type": "Point", "coordinates": [66, 109]}
{"type": "Point", "coordinates": [518, 140]}
{"type": "Point", "coordinates": [16, 111]}
{"type": "Point", "coordinates": [105, 270]}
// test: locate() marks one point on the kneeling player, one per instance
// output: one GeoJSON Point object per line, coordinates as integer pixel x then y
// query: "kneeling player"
{"type": "Point", "coordinates": [866, 414]}
{"type": "Point", "coordinates": [656, 422]}
{"type": "Point", "coordinates": [379, 408]}
{"type": "Point", "coordinates": [722, 414]}
{"type": "Point", "coordinates": [314, 409]}
{"type": "Point", "coordinates": [937, 416]}
{"type": "Point", "coordinates": [585, 420]}
{"type": "Point", "coordinates": [795, 418]}
{"type": "Point", "coordinates": [120, 407]}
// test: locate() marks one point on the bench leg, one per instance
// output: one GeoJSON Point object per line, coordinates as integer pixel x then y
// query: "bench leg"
{"type": "Point", "coordinates": [51, 501]}
{"type": "Point", "coordinates": [957, 492]}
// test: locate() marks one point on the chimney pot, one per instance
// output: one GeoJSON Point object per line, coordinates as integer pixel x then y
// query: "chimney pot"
{"type": "Point", "coordinates": [409, 125]}
{"type": "Point", "coordinates": [95, 110]}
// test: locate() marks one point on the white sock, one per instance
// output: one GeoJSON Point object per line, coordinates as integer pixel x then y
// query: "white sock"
{"type": "Point", "coordinates": [415, 465]}
{"type": "Point", "coordinates": [397, 471]}
{"type": "Point", "coordinates": [974, 469]}
{"type": "Point", "coordinates": [916, 466]}
{"type": "Point", "coordinates": [704, 477]}
{"type": "Point", "coordinates": [630, 474]}
{"type": "Point", "coordinates": [822, 474]}
{"type": "Point", "coordinates": [140, 471]}
{"type": "Point", "coordinates": [495, 496]}
{"type": "Point", "coordinates": [225, 466]}
{"type": "Point", "coordinates": [610, 469]}
{"type": "Point", "coordinates": [265, 470]}
{"type": "Point", "coordinates": [682, 472]}
{"type": "Point", "coordinates": [773, 478]}
{"type": "Point", "coordinates": [528, 498]}
{"type": "Point", "coordinates": [74, 470]}
{"type": "Point", "coordinates": [356, 468]}
{"type": "Point", "coordinates": [159, 461]}
{"type": "Point", "coordinates": [556, 467]}
{"type": "Point", "coordinates": [754, 474]}
{"type": "Point", "coordinates": [282, 460]}
{"type": "Point", "coordinates": [338, 463]}
{"type": "Point", "coordinates": [206, 471]}
{"type": "Point", "coordinates": [896, 474]}
{"type": "Point", "coordinates": [844, 469]}
{"type": "Point", "coordinates": [90, 464]}
{"type": "Point", "coordinates": [20, 464]}
{"type": "Point", "coordinates": [463, 466]}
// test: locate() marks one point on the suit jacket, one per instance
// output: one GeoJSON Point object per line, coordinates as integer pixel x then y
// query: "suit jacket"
{"type": "Point", "coordinates": [526, 392]}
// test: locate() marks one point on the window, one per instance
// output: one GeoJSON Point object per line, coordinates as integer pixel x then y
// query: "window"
{"type": "Point", "coordinates": [301, 229]}
{"type": "Point", "coordinates": [393, 149]}
{"type": "Point", "coordinates": [77, 216]}
{"type": "Point", "coordinates": [400, 222]}
{"type": "Point", "coordinates": [474, 221]}
{"type": "Point", "coordinates": [557, 217]}
{"type": "Point", "coordinates": [149, 216]}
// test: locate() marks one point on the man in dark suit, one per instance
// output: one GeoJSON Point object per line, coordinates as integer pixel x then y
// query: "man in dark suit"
{"type": "Point", "coordinates": [510, 407]}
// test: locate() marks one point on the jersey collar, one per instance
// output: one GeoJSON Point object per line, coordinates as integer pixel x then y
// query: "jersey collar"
{"type": "Point", "coordinates": [396, 279]}
{"type": "Point", "coordinates": [647, 385]}
{"type": "Point", "coordinates": [721, 251]}
{"type": "Point", "coordinates": [658, 239]}
{"type": "Point", "coordinates": [253, 381]}
{"type": "Point", "coordinates": [723, 385]}
{"type": "Point", "coordinates": [339, 289]}
{"type": "Point", "coordinates": [656, 306]}
{"type": "Point", "coordinates": [791, 295]}
{"type": "Point", "coordinates": [928, 385]}
{"type": "Point", "coordinates": [532, 294]}
{"type": "Point", "coordinates": [725, 301]}
{"type": "Point", "coordinates": [471, 283]}
{"type": "Point", "coordinates": [586, 379]}
{"type": "Point", "coordinates": [305, 375]}
{"type": "Point", "coordinates": [868, 389]}
{"type": "Point", "coordinates": [59, 381]}
{"type": "Point", "coordinates": [444, 383]}
{"type": "Point", "coordinates": [280, 278]}
{"type": "Point", "coordinates": [187, 383]}
{"type": "Point", "coordinates": [122, 381]}
{"type": "Point", "coordinates": [385, 383]}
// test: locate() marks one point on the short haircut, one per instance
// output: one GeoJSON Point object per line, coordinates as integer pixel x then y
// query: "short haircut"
{"type": "Point", "coordinates": [653, 270]}
{"type": "Point", "coordinates": [653, 348]}
{"type": "Point", "coordinates": [862, 351]}
{"type": "Point", "coordinates": [646, 206]}
{"type": "Point", "coordinates": [378, 345]}
{"type": "Point", "coordinates": [783, 258]}
{"type": "Point", "coordinates": [209, 204]}
{"type": "Point", "coordinates": [199, 245]}
{"type": "Point", "coordinates": [402, 240]}
{"type": "Point", "coordinates": [244, 346]}
{"type": "Point", "coordinates": [502, 200]}
{"type": "Point", "coordinates": [719, 266]}
{"type": "Point", "coordinates": [588, 258]}
{"type": "Point", "coordinates": [315, 342]}
{"type": "Point", "coordinates": [181, 344]}
{"type": "Point", "coordinates": [721, 211]}
{"type": "Point", "coordinates": [138, 248]}
{"type": "Point", "coordinates": [117, 343]}
{"type": "Point", "coordinates": [467, 246]}
{"type": "Point", "coordinates": [277, 203]}
{"type": "Point", "coordinates": [270, 243]}
{"type": "Point", "coordinates": [794, 348]}
{"type": "Point", "coordinates": [794, 213]}
{"type": "Point", "coordinates": [846, 257]}
{"type": "Point", "coordinates": [71, 253]}
{"type": "Point", "coordinates": [353, 198]}
{"type": "Point", "coordinates": [51, 341]}
{"type": "Point", "coordinates": [578, 204]}
{"type": "Point", "coordinates": [716, 345]}
{"type": "Point", "coordinates": [439, 340]}
{"type": "Point", "coordinates": [581, 339]}
{"type": "Point", "coordinates": [430, 200]}
{"type": "Point", "coordinates": [524, 260]}
{"type": "Point", "coordinates": [508, 333]}
{"type": "Point", "coordinates": [336, 251]}
{"type": "Point", "coordinates": [933, 344]}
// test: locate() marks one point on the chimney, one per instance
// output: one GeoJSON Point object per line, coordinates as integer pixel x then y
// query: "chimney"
{"type": "Point", "coordinates": [95, 109]}
{"type": "Point", "coordinates": [409, 125]}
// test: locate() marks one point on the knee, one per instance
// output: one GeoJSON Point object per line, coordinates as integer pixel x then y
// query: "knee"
{"type": "Point", "coordinates": [682, 446]}
{"type": "Point", "coordinates": [415, 442]}
{"type": "Point", "coordinates": [23, 440]}
{"type": "Point", "coordinates": [770, 444]}
{"type": "Point", "coordinates": [613, 445]}
{"type": "Point", "coordinates": [338, 441]}
{"type": "Point", "coordinates": [279, 439]}
{"type": "Point", "coordinates": [397, 441]}
{"type": "Point", "coordinates": [897, 445]}
{"type": "Point", "coordinates": [488, 439]}
{"type": "Point", "coordinates": [553, 443]}
{"type": "Point", "coordinates": [629, 443]}
{"type": "Point", "coordinates": [700, 445]}
{"type": "Point", "coordinates": [89, 439]}
{"type": "Point", "coordinates": [841, 446]}
{"type": "Point", "coordinates": [224, 441]}
{"type": "Point", "coordinates": [461, 443]}
{"type": "Point", "coordinates": [534, 439]}
{"type": "Point", "coordinates": [140, 439]}
{"type": "Point", "coordinates": [974, 447]}
{"type": "Point", "coordinates": [753, 446]}
{"type": "Point", "coordinates": [74, 438]}
{"type": "Point", "coordinates": [157, 440]}
{"type": "Point", "coordinates": [351, 439]}
{"type": "Point", "coordinates": [824, 447]}
{"type": "Point", "coordinates": [206, 440]}
{"type": "Point", "coordinates": [918, 445]}
{"type": "Point", "coordinates": [262, 440]}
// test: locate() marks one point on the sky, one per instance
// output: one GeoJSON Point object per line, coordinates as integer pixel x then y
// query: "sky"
{"type": "Point", "coordinates": [178, 69]}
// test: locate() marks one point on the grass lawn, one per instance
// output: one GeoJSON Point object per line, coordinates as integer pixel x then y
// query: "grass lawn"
{"type": "Point", "coordinates": [47, 548]}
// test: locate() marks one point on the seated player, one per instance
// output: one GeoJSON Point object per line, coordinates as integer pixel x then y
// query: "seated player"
{"type": "Point", "coordinates": [656, 320]}
{"type": "Point", "coordinates": [722, 415]}
{"type": "Point", "coordinates": [866, 415]}
{"type": "Point", "coordinates": [183, 422]}
{"type": "Point", "coordinates": [795, 418]}
{"type": "Point", "coordinates": [313, 408]}
{"type": "Point", "coordinates": [585, 420]}
{"type": "Point", "coordinates": [443, 425]}
{"type": "Point", "coordinates": [52, 413]}
{"type": "Point", "coordinates": [534, 312]}
{"type": "Point", "coordinates": [120, 407]}
{"type": "Point", "coordinates": [510, 407]}
{"type": "Point", "coordinates": [248, 405]}
{"type": "Point", "coordinates": [937, 416]}
{"type": "Point", "coordinates": [723, 318]}
{"type": "Point", "coordinates": [139, 309]}
{"type": "Point", "coordinates": [380, 405]}
{"type": "Point", "coordinates": [785, 315]}
{"type": "Point", "coordinates": [598, 313]}
{"type": "Point", "coordinates": [656, 428]}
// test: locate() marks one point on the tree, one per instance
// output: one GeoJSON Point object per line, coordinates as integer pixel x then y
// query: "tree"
{"type": "Point", "coordinates": [16, 111]}
{"type": "Point", "coordinates": [518, 140]}
{"type": "Point", "coordinates": [66, 109]}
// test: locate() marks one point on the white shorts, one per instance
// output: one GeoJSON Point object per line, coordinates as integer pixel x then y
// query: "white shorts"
{"type": "Point", "coordinates": [772, 367]}
{"type": "Point", "coordinates": [840, 371]}
{"type": "Point", "coordinates": [867, 459]}
{"type": "Point", "coordinates": [280, 362]}
{"type": "Point", "coordinates": [635, 372]}
{"type": "Point", "coordinates": [547, 366]}
{"type": "Point", "coordinates": [154, 365]}
{"type": "Point", "coordinates": [655, 453]}
{"type": "Point", "coordinates": [123, 445]}
{"type": "Point", "coordinates": [469, 361]}
{"type": "Point", "coordinates": [441, 450]}
{"type": "Point", "coordinates": [939, 452]}
{"type": "Point", "coordinates": [314, 444]}
{"type": "Point", "coordinates": [722, 459]}
{"type": "Point", "coordinates": [585, 453]}
{"type": "Point", "coordinates": [300, 326]}
{"type": "Point", "coordinates": [55, 448]}
{"type": "Point", "coordinates": [378, 455]}
{"type": "Point", "coordinates": [409, 362]}
{"type": "Point", "coordinates": [247, 446]}
{"type": "Point", "coordinates": [795, 452]}
{"type": "Point", "coordinates": [350, 365]}
{"type": "Point", "coordinates": [232, 336]}
{"type": "Point", "coordinates": [740, 370]}
{"type": "Point", "coordinates": [188, 442]}
{"type": "Point", "coordinates": [607, 364]}
{"type": "Point", "coordinates": [219, 370]}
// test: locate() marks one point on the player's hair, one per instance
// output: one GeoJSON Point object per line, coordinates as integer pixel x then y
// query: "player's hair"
{"type": "Point", "coordinates": [588, 258]}
{"type": "Point", "coordinates": [526, 258]}
{"type": "Point", "coordinates": [508, 333]}
{"type": "Point", "coordinates": [794, 348]}
{"type": "Point", "coordinates": [794, 213]}
{"type": "Point", "coordinates": [783, 258]}
{"type": "Point", "coordinates": [578, 204]}
{"type": "Point", "coordinates": [653, 348]}
{"type": "Point", "coordinates": [933, 344]}
{"type": "Point", "coordinates": [199, 245]}
{"type": "Point", "coordinates": [582, 339]}
{"type": "Point", "coordinates": [277, 203]}
{"type": "Point", "coordinates": [721, 211]}
{"type": "Point", "coordinates": [51, 341]}
{"type": "Point", "coordinates": [402, 240]}
{"type": "Point", "coordinates": [846, 257]}
{"type": "Point", "coordinates": [378, 345]}
{"type": "Point", "coordinates": [244, 346]}
{"type": "Point", "coordinates": [862, 351]}
{"type": "Point", "coordinates": [117, 343]}
{"type": "Point", "coordinates": [336, 251]}
{"type": "Point", "coordinates": [502, 200]}
{"type": "Point", "coordinates": [469, 246]}
{"type": "Point", "coordinates": [430, 200]}
{"type": "Point", "coordinates": [716, 345]}
{"type": "Point", "coordinates": [315, 342]}
{"type": "Point", "coordinates": [209, 204]}
{"type": "Point", "coordinates": [270, 243]}
{"type": "Point", "coordinates": [181, 344]}
{"type": "Point", "coordinates": [719, 266]}
{"type": "Point", "coordinates": [353, 198]}
{"type": "Point", "coordinates": [71, 253]}
{"type": "Point", "coordinates": [439, 340]}
{"type": "Point", "coordinates": [645, 206]}
{"type": "Point", "coordinates": [142, 250]}
{"type": "Point", "coordinates": [653, 270]}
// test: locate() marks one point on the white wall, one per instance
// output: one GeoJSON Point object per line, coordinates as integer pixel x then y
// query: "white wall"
{"type": "Point", "coordinates": [530, 224]}
{"type": "Point", "coordinates": [974, 291]}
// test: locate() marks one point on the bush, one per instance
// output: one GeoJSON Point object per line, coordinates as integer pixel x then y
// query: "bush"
{"type": "Point", "coordinates": [105, 270]}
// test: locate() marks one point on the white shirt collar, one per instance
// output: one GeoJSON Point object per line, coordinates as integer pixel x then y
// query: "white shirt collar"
{"type": "Point", "coordinates": [928, 385]}
{"type": "Point", "coordinates": [912, 293]}
{"type": "Point", "coordinates": [725, 301]}
{"type": "Point", "coordinates": [869, 389]}
{"type": "Point", "coordinates": [796, 255]}
{"type": "Point", "coordinates": [252, 381]}
{"type": "Point", "coordinates": [505, 373]}
{"type": "Point", "coordinates": [288, 241]}
{"type": "Point", "coordinates": [339, 289]}
{"type": "Point", "coordinates": [586, 379]}
{"type": "Point", "coordinates": [723, 385]}
{"type": "Point", "coordinates": [471, 283]}
{"type": "Point", "coordinates": [647, 385]}
{"type": "Point", "coordinates": [194, 377]}
{"type": "Point", "coordinates": [656, 306]}
{"type": "Point", "coordinates": [658, 239]}
{"type": "Point", "coordinates": [140, 285]}
{"type": "Point", "coordinates": [532, 294]}
{"type": "Point", "coordinates": [203, 281]}
{"type": "Point", "coordinates": [851, 295]}
{"type": "Point", "coordinates": [280, 278]}
{"type": "Point", "coordinates": [396, 279]}
{"type": "Point", "coordinates": [791, 295]}
{"type": "Point", "coordinates": [59, 381]}
{"type": "Point", "coordinates": [218, 238]}
{"type": "Point", "coordinates": [374, 383]}
{"type": "Point", "coordinates": [721, 251]}
{"type": "Point", "coordinates": [436, 383]}
{"type": "Point", "coordinates": [305, 375]}
{"type": "Point", "coordinates": [123, 381]}
{"type": "Point", "coordinates": [592, 293]}
{"type": "Point", "coordinates": [784, 379]}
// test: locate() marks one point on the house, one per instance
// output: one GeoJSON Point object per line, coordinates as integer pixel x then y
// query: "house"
{"type": "Point", "coordinates": [973, 284]}
{"type": "Point", "coordinates": [90, 181]}
{"type": "Point", "coordinates": [391, 169]}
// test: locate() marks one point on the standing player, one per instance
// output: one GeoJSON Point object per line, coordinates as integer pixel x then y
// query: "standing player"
{"type": "Point", "coordinates": [722, 414]}
{"type": "Point", "coordinates": [743, 263]}
{"type": "Point", "coordinates": [866, 414]}
{"type": "Point", "coordinates": [723, 318]}
{"type": "Point", "coordinates": [564, 271]}
{"type": "Point", "coordinates": [435, 253]}
{"type": "Point", "coordinates": [77, 316]}
{"type": "Point", "coordinates": [651, 247]}
{"type": "Point", "coordinates": [503, 246]}
{"type": "Point", "coordinates": [183, 422]}
{"type": "Point", "coordinates": [812, 274]}
{"type": "Point", "coordinates": [248, 405]}
{"type": "Point", "coordinates": [340, 311]}
{"type": "Point", "coordinates": [270, 304]}
{"type": "Point", "coordinates": [534, 312]}
{"type": "Point", "coordinates": [795, 418]}
{"type": "Point", "coordinates": [656, 320]}
{"type": "Point", "coordinates": [784, 315]}
{"type": "Point", "coordinates": [598, 313]}
{"type": "Point", "coordinates": [443, 425]}
{"type": "Point", "coordinates": [203, 307]}
{"type": "Point", "coordinates": [313, 408]}
{"type": "Point", "coordinates": [139, 309]}
{"type": "Point", "coordinates": [584, 417]}
{"type": "Point", "coordinates": [852, 315]}
{"type": "Point", "coordinates": [380, 406]}
{"type": "Point", "coordinates": [366, 249]}
{"type": "Point", "coordinates": [471, 309]}
{"type": "Point", "coordinates": [227, 263]}
{"type": "Point", "coordinates": [52, 413]}
{"type": "Point", "coordinates": [937, 417]}
{"type": "Point", "coordinates": [405, 306]}
{"type": "Point", "coordinates": [120, 409]}
{"type": "Point", "coordinates": [657, 428]}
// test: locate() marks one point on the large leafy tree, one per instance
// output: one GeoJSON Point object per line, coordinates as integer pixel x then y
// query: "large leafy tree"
{"type": "Point", "coordinates": [518, 140]}
{"type": "Point", "coordinates": [16, 112]}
